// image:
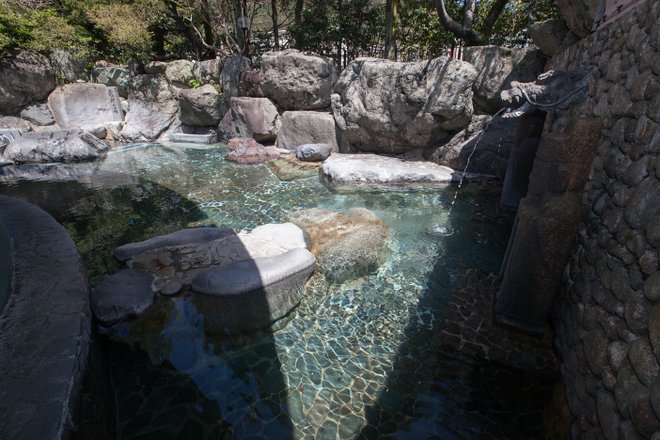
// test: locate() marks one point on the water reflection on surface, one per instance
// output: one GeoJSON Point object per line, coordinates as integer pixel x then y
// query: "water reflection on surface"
{"type": "Point", "coordinates": [358, 359]}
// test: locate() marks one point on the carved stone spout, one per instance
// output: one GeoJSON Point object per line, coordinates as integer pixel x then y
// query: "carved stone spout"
{"type": "Point", "coordinates": [552, 92]}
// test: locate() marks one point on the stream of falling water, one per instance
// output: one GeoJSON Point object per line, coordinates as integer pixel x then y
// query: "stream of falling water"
{"type": "Point", "coordinates": [474, 149]}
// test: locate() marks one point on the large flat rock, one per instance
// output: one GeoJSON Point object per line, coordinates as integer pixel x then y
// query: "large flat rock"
{"type": "Point", "coordinates": [250, 294]}
{"type": "Point", "coordinates": [85, 105]}
{"type": "Point", "coordinates": [122, 296]}
{"type": "Point", "coordinates": [371, 168]}
{"type": "Point", "coordinates": [45, 328]}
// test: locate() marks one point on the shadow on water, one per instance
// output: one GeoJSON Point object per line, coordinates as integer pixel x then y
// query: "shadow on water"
{"type": "Point", "coordinates": [442, 384]}
{"type": "Point", "coordinates": [170, 377]}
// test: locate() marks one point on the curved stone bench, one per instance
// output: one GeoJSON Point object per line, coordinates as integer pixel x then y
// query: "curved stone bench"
{"type": "Point", "coordinates": [45, 327]}
{"type": "Point", "coordinates": [250, 294]}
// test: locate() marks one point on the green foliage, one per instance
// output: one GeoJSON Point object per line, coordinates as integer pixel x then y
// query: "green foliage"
{"type": "Point", "coordinates": [194, 83]}
{"type": "Point", "coordinates": [124, 28]}
{"type": "Point", "coordinates": [354, 24]}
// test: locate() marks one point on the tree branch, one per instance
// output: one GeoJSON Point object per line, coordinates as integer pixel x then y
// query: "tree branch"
{"type": "Point", "coordinates": [493, 15]}
{"type": "Point", "coordinates": [470, 36]}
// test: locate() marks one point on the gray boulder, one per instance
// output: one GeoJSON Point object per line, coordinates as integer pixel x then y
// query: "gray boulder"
{"type": "Point", "coordinates": [68, 65]}
{"type": "Point", "coordinates": [297, 81]}
{"type": "Point", "coordinates": [113, 76]}
{"type": "Point", "coordinates": [313, 152]}
{"type": "Point", "coordinates": [156, 67]}
{"type": "Point", "coordinates": [122, 296]}
{"type": "Point", "coordinates": [250, 118]}
{"type": "Point", "coordinates": [153, 108]}
{"type": "Point", "coordinates": [207, 71]}
{"type": "Point", "coordinates": [85, 105]}
{"type": "Point", "coordinates": [388, 107]}
{"type": "Point", "coordinates": [26, 77]}
{"type": "Point", "coordinates": [201, 107]}
{"type": "Point", "coordinates": [551, 36]}
{"type": "Point", "coordinates": [373, 168]}
{"type": "Point", "coordinates": [13, 122]}
{"type": "Point", "coordinates": [180, 73]}
{"type": "Point", "coordinates": [498, 67]}
{"type": "Point", "coordinates": [251, 294]}
{"type": "Point", "coordinates": [55, 146]}
{"type": "Point", "coordinates": [249, 83]}
{"type": "Point", "coordinates": [231, 71]}
{"type": "Point", "coordinates": [307, 127]}
{"type": "Point", "coordinates": [38, 114]}
{"type": "Point", "coordinates": [489, 149]}
{"type": "Point", "coordinates": [579, 15]}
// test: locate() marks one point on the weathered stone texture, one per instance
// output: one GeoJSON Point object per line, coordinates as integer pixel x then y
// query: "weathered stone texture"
{"type": "Point", "coordinates": [614, 263]}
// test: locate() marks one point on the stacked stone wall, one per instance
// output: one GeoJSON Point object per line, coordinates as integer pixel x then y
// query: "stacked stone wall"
{"type": "Point", "coordinates": [607, 318]}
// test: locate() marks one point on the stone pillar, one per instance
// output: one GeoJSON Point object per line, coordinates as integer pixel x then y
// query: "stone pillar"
{"type": "Point", "coordinates": [521, 159]}
{"type": "Point", "coordinates": [547, 224]}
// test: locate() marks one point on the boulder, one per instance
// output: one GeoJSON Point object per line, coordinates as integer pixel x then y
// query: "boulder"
{"type": "Point", "coordinates": [179, 73]}
{"type": "Point", "coordinates": [249, 83]}
{"type": "Point", "coordinates": [250, 117]}
{"type": "Point", "coordinates": [313, 152]}
{"type": "Point", "coordinates": [14, 123]}
{"type": "Point", "coordinates": [579, 15]}
{"type": "Point", "coordinates": [498, 67]}
{"type": "Point", "coordinates": [347, 245]}
{"type": "Point", "coordinates": [156, 67]}
{"type": "Point", "coordinates": [201, 107]}
{"type": "Point", "coordinates": [55, 146]}
{"type": "Point", "coordinates": [487, 141]}
{"type": "Point", "coordinates": [85, 105]}
{"type": "Point", "coordinates": [251, 294]}
{"type": "Point", "coordinates": [153, 108]}
{"type": "Point", "coordinates": [113, 76]}
{"type": "Point", "coordinates": [389, 107]}
{"type": "Point", "coordinates": [176, 259]}
{"type": "Point", "coordinates": [372, 168]}
{"type": "Point", "coordinates": [207, 71]}
{"type": "Point", "coordinates": [38, 114]}
{"type": "Point", "coordinates": [297, 81]}
{"type": "Point", "coordinates": [122, 296]}
{"type": "Point", "coordinates": [26, 77]}
{"type": "Point", "coordinates": [307, 127]}
{"type": "Point", "coordinates": [231, 71]}
{"type": "Point", "coordinates": [288, 168]}
{"type": "Point", "coordinates": [249, 151]}
{"type": "Point", "coordinates": [69, 65]}
{"type": "Point", "coordinates": [551, 36]}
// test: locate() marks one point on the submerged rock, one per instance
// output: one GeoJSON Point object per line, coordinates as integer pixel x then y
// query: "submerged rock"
{"type": "Point", "coordinates": [249, 151]}
{"type": "Point", "coordinates": [288, 167]}
{"type": "Point", "coordinates": [122, 296]}
{"type": "Point", "coordinates": [347, 245]}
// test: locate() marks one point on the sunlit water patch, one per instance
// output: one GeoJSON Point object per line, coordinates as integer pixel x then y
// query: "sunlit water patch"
{"type": "Point", "coordinates": [356, 359]}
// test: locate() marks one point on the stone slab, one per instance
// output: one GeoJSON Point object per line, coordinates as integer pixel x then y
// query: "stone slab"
{"type": "Point", "coordinates": [85, 105]}
{"type": "Point", "coordinates": [371, 168]}
{"type": "Point", "coordinates": [45, 327]}
{"type": "Point", "coordinates": [122, 296]}
{"type": "Point", "coordinates": [193, 138]}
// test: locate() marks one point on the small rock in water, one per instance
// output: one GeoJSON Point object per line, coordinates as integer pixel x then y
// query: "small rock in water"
{"type": "Point", "coordinates": [439, 230]}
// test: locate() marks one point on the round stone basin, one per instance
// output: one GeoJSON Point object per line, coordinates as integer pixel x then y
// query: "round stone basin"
{"type": "Point", "coordinates": [356, 359]}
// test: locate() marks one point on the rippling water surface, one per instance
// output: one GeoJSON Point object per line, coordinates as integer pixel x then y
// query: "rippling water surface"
{"type": "Point", "coordinates": [356, 360]}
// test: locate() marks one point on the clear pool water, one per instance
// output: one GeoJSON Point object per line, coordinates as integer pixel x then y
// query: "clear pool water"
{"type": "Point", "coordinates": [355, 360]}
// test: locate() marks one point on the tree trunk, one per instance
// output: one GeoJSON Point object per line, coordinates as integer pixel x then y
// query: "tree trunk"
{"type": "Point", "coordinates": [339, 33]}
{"type": "Point", "coordinates": [276, 30]}
{"type": "Point", "coordinates": [465, 30]}
{"type": "Point", "coordinates": [238, 12]}
{"type": "Point", "coordinates": [297, 19]}
{"type": "Point", "coordinates": [390, 39]}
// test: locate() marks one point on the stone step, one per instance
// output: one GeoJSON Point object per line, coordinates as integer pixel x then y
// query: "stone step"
{"type": "Point", "coordinates": [193, 138]}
